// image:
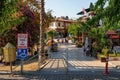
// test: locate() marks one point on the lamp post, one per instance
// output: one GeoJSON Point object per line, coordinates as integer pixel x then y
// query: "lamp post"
{"type": "Point", "coordinates": [41, 38]}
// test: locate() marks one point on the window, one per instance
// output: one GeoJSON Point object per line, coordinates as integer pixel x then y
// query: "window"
{"type": "Point", "coordinates": [59, 24]}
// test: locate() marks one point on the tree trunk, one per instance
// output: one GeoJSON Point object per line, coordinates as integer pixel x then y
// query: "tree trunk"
{"type": "Point", "coordinates": [41, 41]}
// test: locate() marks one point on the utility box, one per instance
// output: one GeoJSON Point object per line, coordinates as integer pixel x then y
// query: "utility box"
{"type": "Point", "coordinates": [1, 54]}
{"type": "Point", "coordinates": [9, 53]}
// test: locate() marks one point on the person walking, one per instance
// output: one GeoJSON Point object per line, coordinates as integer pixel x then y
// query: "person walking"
{"type": "Point", "coordinates": [49, 46]}
{"type": "Point", "coordinates": [88, 50]}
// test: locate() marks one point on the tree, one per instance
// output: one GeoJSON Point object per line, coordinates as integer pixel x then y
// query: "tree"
{"type": "Point", "coordinates": [28, 25]}
{"type": "Point", "coordinates": [10, 17]}
{"type": "Point", "coordinates": [48, 18]}
{"type": "Point", "coordinates": [75, 30]}
{"type": "Point", "coordinates": [51, 33]}
{"type": "Point", "coordinates": [72, 29]}
{"type": "Point", "coordinates": [41, 38]}
{"type": "Point", "coordinates": [110, 14]}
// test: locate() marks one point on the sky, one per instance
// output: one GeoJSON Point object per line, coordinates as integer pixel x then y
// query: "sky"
{"type": "Point", "coordinates": [68, 8]}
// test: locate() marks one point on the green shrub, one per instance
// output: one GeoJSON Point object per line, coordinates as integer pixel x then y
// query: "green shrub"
{"type": "Point", "coordinates": [78, 44]}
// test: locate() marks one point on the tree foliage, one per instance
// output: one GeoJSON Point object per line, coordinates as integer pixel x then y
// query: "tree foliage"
{"type": "Point", "coordinates": [48, 18]}
{"type": "Point", "coordinates": [73, 29]}
{"type": "Point", "coordinates": [29, 26]}
{"type": "Point", "coordinates": [22, 20]}
{"type": "Point", "coordinates": [51, 33]}
{"type": "Point", "coordinates": [18, 17]}
{"type": "Point", "coordinates": [110, 14]}
{"type": "Point", "coordinates": [10, 15]}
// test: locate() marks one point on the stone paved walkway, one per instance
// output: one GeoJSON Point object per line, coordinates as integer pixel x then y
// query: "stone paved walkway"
{"type": "Point", "coordinates": [79, 67]}
{"type": "Point", "coordinates": [82, 75]}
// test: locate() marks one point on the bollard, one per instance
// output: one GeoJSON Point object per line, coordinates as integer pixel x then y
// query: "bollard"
{"type": "Point", "coordinates": [106, 64]}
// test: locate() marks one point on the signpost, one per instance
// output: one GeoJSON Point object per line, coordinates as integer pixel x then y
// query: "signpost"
{"type": "Point", "coordinates": [22, 45]}
{"type": "Point", "coordinates": [22, 41]}
{"type": "Point", "coordinates": [22, 53]}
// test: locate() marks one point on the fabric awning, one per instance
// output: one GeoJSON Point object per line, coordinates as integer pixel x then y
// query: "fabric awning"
{"type": "Point", "coordinates": [114, 37]}
{"type": "Point", "coordinates": [111, 32]}
{"type": "Point", "coordinates": [82, 12]}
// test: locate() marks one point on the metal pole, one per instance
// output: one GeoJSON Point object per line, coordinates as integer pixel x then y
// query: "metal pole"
{"type": "Point", "coordinates": [67, 58]}
{"type": "Point", "coordinates": [52, 49]}
{"type": "Point", "coordinates": [10, 63]}
{"type": "Point", "coordinates": [22, 62]}
{"type": "Point", "coordinates": [106, 64]}
{"type": "Point", "coordinates": [11, 67]}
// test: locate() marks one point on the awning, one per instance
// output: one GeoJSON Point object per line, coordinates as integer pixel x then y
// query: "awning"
{"type": "Point", "coordinates": [82, 12]}
{"type": "Point", "coordinates": [111, 32]}
{"type": "Point", "coordinates": [114, 37]}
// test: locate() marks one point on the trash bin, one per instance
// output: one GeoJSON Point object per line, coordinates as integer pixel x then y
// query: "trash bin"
{"type": "Point", "coordinates": [9, 53]}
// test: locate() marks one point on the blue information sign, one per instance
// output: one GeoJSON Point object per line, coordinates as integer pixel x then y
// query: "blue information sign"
{"type": "Point", "coordinates": [22, 53]}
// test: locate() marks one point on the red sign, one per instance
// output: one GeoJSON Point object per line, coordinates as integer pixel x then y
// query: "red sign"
{"type": "Point", "coordinates": [22, 41]}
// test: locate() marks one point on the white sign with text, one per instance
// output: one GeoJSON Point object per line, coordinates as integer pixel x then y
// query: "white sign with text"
{"type": "Point", "coordinates": [22, 41]}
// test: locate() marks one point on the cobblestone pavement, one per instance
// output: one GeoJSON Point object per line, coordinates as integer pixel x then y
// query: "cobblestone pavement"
{"type": "Point", "coordinates": [69, 63]}
{"type": "Point", "coordinates": [77, 60]}
{"type": "Point", "coordinates": [72, 75]}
